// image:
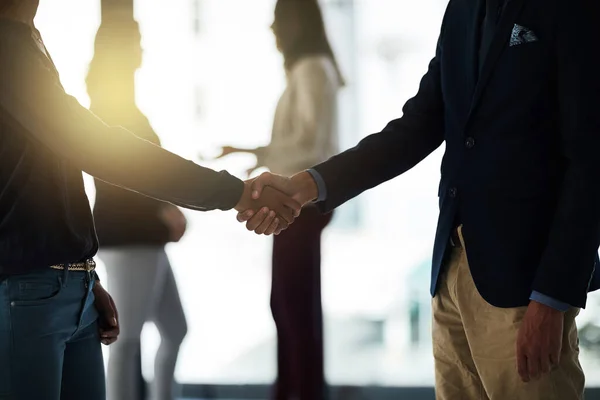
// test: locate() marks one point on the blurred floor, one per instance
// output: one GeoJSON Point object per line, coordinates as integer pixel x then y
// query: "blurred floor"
{"type": "Point", "coordinates": [356, 352]}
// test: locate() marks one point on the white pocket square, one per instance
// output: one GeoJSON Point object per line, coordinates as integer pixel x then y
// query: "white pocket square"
{"type": "Point", "coordinates": [521, 35]}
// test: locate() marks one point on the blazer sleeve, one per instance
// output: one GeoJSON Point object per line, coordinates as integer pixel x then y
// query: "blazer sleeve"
{"type": "Point", "coordinates": [34, 100]}
{"type": "Point", "coordinates": [568, 262]}
{"type": "Point", "coordinates": [401, 145]}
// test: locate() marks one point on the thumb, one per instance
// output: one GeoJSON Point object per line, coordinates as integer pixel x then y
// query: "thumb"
{"type": "Point", "coordinates": [111, 317]}
{"type": "Point", "coordinates": [278, 182]}
{"type": "Point", "coordinates": [259, 184]}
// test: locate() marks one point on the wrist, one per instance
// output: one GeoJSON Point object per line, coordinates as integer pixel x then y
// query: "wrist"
{"type": "Point", "coordinates": [242, 204]}
{"type": "Point", "coordinates": [541, 307]}
{"type": "Point", "coordinates": [97, 287]}
{"type": "Point", "coordinates": [307, 189]}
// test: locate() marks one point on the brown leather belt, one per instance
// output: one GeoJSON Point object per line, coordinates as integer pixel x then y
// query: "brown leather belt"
{"type": "Point", "coordinates": [87, 265]}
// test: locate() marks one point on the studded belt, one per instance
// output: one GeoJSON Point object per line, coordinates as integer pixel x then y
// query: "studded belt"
{"type": "Point", "coordinates": [87, 265]}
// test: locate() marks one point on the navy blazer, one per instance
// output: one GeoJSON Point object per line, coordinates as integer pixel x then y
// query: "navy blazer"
{"type": "Point", "coordinates": [522, 140]}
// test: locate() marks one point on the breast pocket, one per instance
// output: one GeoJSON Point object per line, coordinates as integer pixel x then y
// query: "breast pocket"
{"type": "Point", "coordinates": [524, 63]}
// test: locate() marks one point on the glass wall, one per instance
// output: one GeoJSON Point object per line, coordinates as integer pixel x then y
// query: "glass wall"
{"type": "Point", "coordinates": [211, 77]}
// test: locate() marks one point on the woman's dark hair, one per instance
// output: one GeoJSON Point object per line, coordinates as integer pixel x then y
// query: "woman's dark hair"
{"type": "Point", "coordinates": [312, 38]}
{"type": "Point", "coordinates": [116, 53]}
{"type": "Point", "coordinates": [117, 43]}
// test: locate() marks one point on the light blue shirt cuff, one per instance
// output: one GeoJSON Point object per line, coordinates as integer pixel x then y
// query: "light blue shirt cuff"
{"type": "Point", "coordinates": [321, 187]}
{"type": "Point", "coordinates": [549, 301]}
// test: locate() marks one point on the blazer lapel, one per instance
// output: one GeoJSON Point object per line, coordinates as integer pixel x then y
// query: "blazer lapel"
{"type": "Point", "coordinates": [500, 42]}
{"type": "Point", "coordinates": [473, 45]}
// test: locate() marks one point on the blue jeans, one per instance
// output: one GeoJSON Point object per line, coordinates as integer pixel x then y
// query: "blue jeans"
{"type": "Point", "coordinates": [49, 342]}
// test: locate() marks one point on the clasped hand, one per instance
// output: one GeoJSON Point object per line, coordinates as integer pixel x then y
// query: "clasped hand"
{"type": "Point", "coordinates": [271, 210]}
{"type": "Point", "coordinates": [296, 192]}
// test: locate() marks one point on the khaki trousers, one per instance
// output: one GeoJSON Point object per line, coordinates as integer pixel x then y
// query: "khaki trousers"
{"type": "Point", "coordinates": [474, 346]}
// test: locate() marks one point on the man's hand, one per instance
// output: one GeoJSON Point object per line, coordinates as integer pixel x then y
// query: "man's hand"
{"type": "Point", "coordinates": [175, 221]}
{"type": "Point", "coordinates": [274, 211]}
{"type": "Point", "coordinates": [227, 150]}
{"type": "Point", "coordinates": [301, 187]}
{"type": "Point", "coordinates": [539, 342]}
{"type": "Point", "coordinates": [109, 316]}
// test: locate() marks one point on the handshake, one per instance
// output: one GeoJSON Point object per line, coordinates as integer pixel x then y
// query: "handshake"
{"type": "Point", "coordinates": [270, 203]}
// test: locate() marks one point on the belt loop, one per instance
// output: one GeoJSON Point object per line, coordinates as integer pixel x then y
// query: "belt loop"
{"type": "Point", "coordinates": [66, 274]}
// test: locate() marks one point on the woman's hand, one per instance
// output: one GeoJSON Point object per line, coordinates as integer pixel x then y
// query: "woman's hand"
{"type": "Point", "coordinates": [227, 150]}
{"type": "Point", "coordinates": [250, 171]}
{"type": "Point", "coordinates": [108, 321]}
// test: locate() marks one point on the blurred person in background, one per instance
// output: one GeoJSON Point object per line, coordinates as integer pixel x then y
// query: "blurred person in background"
{"type": "Point", "coordinates": [133, 229]}
{"type": "Point", "coordinates": [304, 133]}
{"type": "Point", "coordinates": [54, 313]}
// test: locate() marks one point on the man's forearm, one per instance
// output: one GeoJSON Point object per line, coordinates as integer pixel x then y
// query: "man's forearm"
{"type": "Point", "coordinates": [32, 96]}
{"type": "Point", "coordinates": [401, 145]}
{"type": "Point", "coordinates": [138, 165]}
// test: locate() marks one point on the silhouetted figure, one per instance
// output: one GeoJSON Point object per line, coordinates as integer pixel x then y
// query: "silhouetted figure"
{"type": "Point", "coordinates": [54, 313]}
{"type": "Point", "coordinates": [304, 134]}
{"type": "Point", "coordinates": [133, 230]}
{"type": "Point", "coordinates": [513, 96]}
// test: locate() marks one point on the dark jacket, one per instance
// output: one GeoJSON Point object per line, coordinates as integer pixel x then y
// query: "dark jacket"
{"type": "Point", "coordinates": [47, 139]}
{"type": "Point", "coordinates": [125, 218]}
{"type": "Point", "coordinates": [522, 141]}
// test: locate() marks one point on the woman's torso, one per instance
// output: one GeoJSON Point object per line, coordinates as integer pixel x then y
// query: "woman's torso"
{"type": "Point", "coordinates": [305, 124]}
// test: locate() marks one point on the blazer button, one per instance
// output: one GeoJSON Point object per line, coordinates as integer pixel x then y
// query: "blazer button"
{"type": "Point", "coordinates": [452, 192]}
{"type": "Point", "coordinates": [469, 143]}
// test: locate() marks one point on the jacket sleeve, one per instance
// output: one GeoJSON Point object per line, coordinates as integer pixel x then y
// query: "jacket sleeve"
{"type": "Point", "coordinates": [401, 145]}
{"type": "Point", "coordinates": [32, 97]}
{"type": "Point", "coordinates": [567, 265]}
